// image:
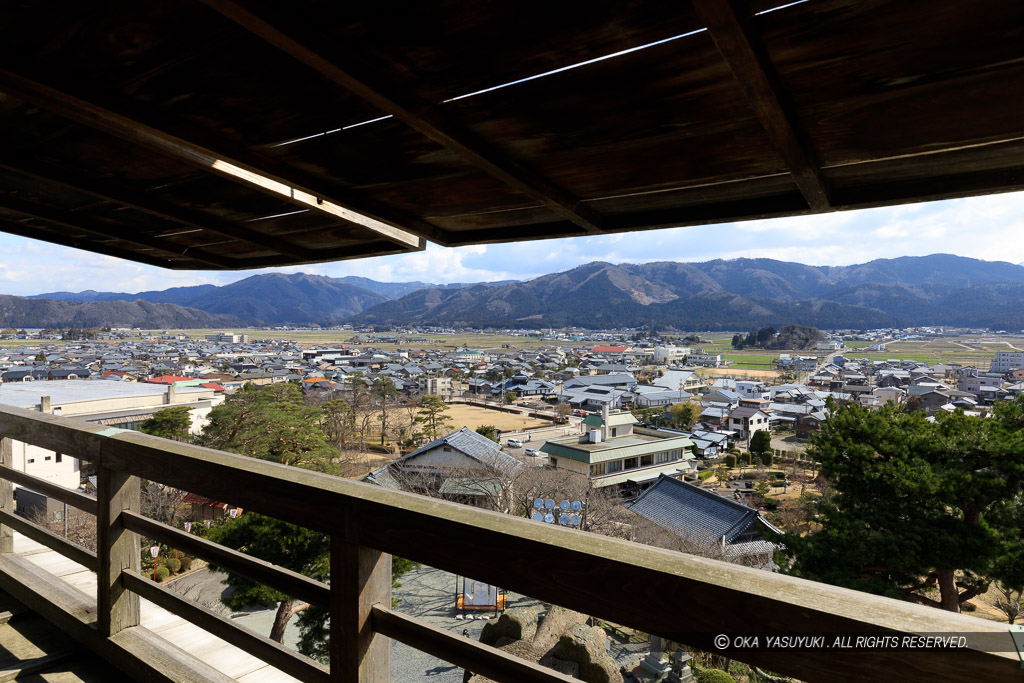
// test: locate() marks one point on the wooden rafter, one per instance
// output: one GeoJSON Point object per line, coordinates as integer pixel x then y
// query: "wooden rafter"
{"type": "Point", "coordinates": [237, 164]}
{"type": "Point", "coordinates": [426, 119]}
{"type": "Point", "coordinates": [752, 68]}
{"type": "Point", "coordinates": [152, 206]}
{"type": "Point", "coordinates": [111, 231]}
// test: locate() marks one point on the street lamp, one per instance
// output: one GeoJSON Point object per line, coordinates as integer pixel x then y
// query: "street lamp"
{"type": "Point", "coordinates": [154, 550]}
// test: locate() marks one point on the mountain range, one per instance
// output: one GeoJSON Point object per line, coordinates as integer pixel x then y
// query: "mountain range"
{"type": "Point", "coordinates": [738, 294]}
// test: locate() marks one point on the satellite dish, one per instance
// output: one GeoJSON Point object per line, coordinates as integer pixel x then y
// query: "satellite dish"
{"type": "Point", "coordinates": [576, 505]}
{"type": "Point", "coordinates": [549, 518]}
{"type": "Point", "coordinates": [574, 520]}
{"type": "Point", "coordinates": [563, 520]}
{"type": "Point", "coordinates": [538, 516]}
{"type": "Point", "coordinates": [538, 502]}
{"type": "Point", "coordinates": [549, 503]}
{"type": "Point", "coordinates": [564, 505]}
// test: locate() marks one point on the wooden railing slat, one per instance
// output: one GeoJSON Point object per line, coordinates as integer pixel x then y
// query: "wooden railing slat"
{"type": "Point", "coordinates": [361, 580]}
{"type": "Point", "coordinates": [86, 558]}
{"type": "Point", "coordinates": [271, 652]}
{"type": "Point", "coordinates": [288, 582]}
{"type": "Point", "coordinates": [117, 549]}
{"type": "Point", "coordinates": [64, 495]}
{"type": "Point", "coordinates": [6, 496]}
{"type": "Point", "coordinates": [658, 591]}
{"type": "Point", "coordinates": [470, 654]}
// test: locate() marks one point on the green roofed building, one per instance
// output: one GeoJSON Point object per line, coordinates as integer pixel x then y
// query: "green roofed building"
{"type": "Point", "coordinates": [613, 451]}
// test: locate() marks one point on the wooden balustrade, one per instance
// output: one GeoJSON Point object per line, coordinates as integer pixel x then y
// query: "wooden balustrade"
{"type": "Point", "coordinates": [677, 596]}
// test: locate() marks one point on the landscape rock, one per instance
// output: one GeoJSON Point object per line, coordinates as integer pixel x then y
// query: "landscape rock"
{"type": "Point", "coordinates": [519, 623]}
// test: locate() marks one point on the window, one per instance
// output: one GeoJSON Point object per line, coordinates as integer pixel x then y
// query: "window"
{"type": "Point", "coordinates": [630, 463]}
{"type": "Point", "coordinates": [596, 470]}
{"type": "Point", "coordinates": [446, 449]}
{"type": "Point", "coordinates": [46, 458]}
{"type": "Point", "coordinates": [614, 466]}
{"type": "Point", "coordinates": [676, 454]}
{"type": "Point", "coordinates": [31, 460]}
{"type": "Point", "coordinates": [614, 430]}
{"type": "Point", "coordinates": [661, 457]}
{"type": "Point", "coordinates": [554, 462]}
{"type": "Point", "coordinates": [646, 460]}
{"type": "Point", "coordinates": [59, 458]}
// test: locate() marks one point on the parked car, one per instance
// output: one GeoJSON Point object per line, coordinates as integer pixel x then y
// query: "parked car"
{"type": "Point", "coordinates": [514, 443]}
{"type": "Point", "coordinates": [532, 452]}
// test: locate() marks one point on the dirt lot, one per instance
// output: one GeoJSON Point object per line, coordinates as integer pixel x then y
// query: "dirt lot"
{"type": "Point", "coordinates": [736, 373]}
{"type": "Point", "coordinates": [463, 415]}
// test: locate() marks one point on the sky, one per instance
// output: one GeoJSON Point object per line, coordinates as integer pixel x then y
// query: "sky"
{"type": "Point", "coordinates": [989, 228]}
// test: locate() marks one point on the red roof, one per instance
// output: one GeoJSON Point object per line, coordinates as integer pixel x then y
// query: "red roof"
{"type": "Point", "coordinates": [609, 349]}
{"type": "Point", "coordinates": [212, 385]}
{"type": "Point", "coordinates": [196, 499]}
{"type": "Point", "coordinates": [169, 379]}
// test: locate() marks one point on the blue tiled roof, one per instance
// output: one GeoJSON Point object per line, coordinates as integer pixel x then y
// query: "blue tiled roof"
{"type": "Point", "coordinates": [691, 511]}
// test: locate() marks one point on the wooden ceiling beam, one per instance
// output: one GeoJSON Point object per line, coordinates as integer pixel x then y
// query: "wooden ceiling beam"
{"type": "Point", "coordinates": [234, 162]}
{"type": "Point", "coordinates": [152, 206]}
{"type": "Point", "coordinates": [426, 119]}
{"type": "Point", "coordinates": [110, 231]}
{"type": "Point", "coordinates": [753, 70]}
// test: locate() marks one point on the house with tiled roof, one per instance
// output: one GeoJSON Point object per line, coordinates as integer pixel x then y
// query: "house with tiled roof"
{"type": "Point", "coordinates": [613, 451]}
{"type": "Point", "coordinates": [705, 518]}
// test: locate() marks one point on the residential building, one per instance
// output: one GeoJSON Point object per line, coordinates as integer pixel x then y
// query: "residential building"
{"type": "Point", "coordinates": [1005, 361]}
{"type": "Point", "coordinates": [669, 355]}
{"type": "Point", "coordinates": [441, 386]}
{"type": "Point", "coordinates": [707, 520]}
{"type": "Point", "coordinates": [614, 452]}
{"type": "Point", "coordinates": [746, 420]}
{"type": "Point", "coordinates": [228, 338]}
{"type": "Point", "coordinates": [707, 360]}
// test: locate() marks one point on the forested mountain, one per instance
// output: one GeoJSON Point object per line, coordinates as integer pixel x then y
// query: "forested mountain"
{"type": "Point", "coordinates": [745, 294]}
{"type": "Point", "coordinates": [19, 312]}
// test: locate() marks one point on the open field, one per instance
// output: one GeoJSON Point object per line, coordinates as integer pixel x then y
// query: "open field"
{"type": "Point", "coordinates": [463, 415]}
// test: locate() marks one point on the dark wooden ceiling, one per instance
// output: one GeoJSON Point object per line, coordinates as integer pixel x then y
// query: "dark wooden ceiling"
{"type": "Point", "coordinates": [208, 134]}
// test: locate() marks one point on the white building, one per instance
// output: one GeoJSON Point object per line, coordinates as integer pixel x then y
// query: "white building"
{"type": "Point", "coordinates": [1005, 361]}
{"type": "Point", "coordinates": [669, 355]}
{"type": "Point", "coordinates": [122, 405]}
{"type": "Point", "coordinates": [752, 389]}
{"type": "Point", "coordinates": [228, 338]}
{"type": "Point", "coordinates": [707, 360]}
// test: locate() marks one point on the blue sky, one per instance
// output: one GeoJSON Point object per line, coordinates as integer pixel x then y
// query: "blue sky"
{"type": "Point", "coordinates": [989, 228]}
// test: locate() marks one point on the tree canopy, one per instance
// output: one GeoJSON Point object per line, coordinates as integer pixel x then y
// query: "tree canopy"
{"type": "Point", "coordinates": [169, 423]}
{"type": "Point", "coordinates": [433, 415]}
{"type": "Point", "coordinates": [918, 504]}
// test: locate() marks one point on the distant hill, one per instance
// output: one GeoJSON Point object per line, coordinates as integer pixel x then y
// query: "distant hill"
{"type": "Point", "coordinates": [738, 294]}
{"type": "Point", "coordinates": [273, 297]}
{"type": "Point", "coordinates": [18, 312]}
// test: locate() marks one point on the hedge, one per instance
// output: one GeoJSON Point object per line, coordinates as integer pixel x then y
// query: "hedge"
{"type": "Point", "coordinates": [162, 573]}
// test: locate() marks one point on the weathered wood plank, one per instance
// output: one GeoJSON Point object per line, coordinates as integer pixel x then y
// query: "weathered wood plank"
{"type": "Point", "coordinates": [288, 582]}
{"type": "Point", "coordinates": [754, 73]}
{"type": "Point", "coordinates": [273, 653]}
{"type": "Point", "coordinates": [360, 580]}
{"type": "Point", "coordinates": [465, 652]}
{"type": "Point", "coordinates": [84, 557]}
{"type": "Point", "coordinates": [117, 550]}
{"type": "Point", "coordinates": [427, 120]}
{"type": "Point", "coordinates": [136, 651]}
{"type": "Point", "coordinates": [64, 495]}
{"type": "Point", "coordinates": [6, 496]}
{"type": "Point", "coordinates": [254, 171]}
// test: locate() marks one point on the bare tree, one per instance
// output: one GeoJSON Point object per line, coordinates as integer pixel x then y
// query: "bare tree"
{"type": "Point", "coordinates": [1009, 602]}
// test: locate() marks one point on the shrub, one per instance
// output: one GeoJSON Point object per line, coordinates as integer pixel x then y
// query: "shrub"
{"type": "Point", "coordinates": [173, 565]}
{"type": "Point", "coordinates": [714, 676]}
{"type": "Point", "coordinates": [771, 503]}
{"type": "Point", "coordinates": [775, 474]}
{"type": "Point", "coordinates": [730, 461]}
{"type": "Point", "coordinates": [706, 474]}
{"type": "Point", "coordinates": [186, 563]}
{"type": "Point", "coordinates": [162, 573]}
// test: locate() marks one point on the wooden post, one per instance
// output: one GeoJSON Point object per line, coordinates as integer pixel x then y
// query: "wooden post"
{"type": "Point", "coordinates": [6, 496]}
{"type": "Point", "coordinates": [360, 579]}
{"type": "Point", "coordinates": [116, 549]}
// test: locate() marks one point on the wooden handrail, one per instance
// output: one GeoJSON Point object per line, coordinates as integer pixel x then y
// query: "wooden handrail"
{"type": "Point", "coordinates": [288, 582]}
{"type": "Point", "coordinates": [269, 651]}
{"type": "Point", "coordinates": [470, 654]}
{"type": "Point", "coordinates": [51, 490]}
{"type": "Point", "coordinates": [680, 597]}
{"type": "Point", "coordinates": [86, 558]}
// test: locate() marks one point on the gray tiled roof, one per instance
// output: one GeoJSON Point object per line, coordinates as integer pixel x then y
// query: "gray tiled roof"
{"type": "Point", "coordinates": [473, 445]}
{"type": "Point", "coordinates": [691, 511]}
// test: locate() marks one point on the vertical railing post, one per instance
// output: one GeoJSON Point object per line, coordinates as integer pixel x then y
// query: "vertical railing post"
{"type": "Point", "coordinates": [116, 549]}
{"type": "Point", "coordinates": [360, 579]}
{"type": "Point", "coordinates": [6, 496]}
